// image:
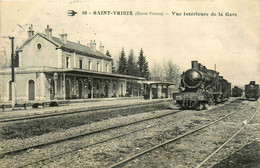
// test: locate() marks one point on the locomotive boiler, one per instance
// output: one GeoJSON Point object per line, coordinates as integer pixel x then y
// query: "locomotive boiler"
{"type": "Point", "coordinates": [252, 91]}
{"type": "Point", "coordinates": [201, 87]}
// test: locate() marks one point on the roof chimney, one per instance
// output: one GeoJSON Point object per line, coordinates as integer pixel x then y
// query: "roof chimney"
{"type": "Point", "coordinates": [63, 38]}
{"type": "Point", "coordinates": [30, 31]}
{"type": "Point", "coordinates": [93, 45]}
{"type": "Point", "coordinates": [101, 48]}
{"type": "Point", "coordinates": [48, 31]}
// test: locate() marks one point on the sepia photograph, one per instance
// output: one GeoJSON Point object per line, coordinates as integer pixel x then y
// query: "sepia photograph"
{"type": "Point", "coordinates": [141, 83]}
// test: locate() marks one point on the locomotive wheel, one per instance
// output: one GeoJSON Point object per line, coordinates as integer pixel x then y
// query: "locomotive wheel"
{"type": "Point", "coordinates": [219, 100]}
{"type": "Point", "coordinates": [210, 101]}
{"type": "Point", "coordinates": [200, 106]}
{"type": "Point", "coordinates": [207, 106]}
{"type": "Point", "coordinates": [183, 107]}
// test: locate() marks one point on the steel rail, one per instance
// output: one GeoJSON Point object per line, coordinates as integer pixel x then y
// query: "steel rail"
{"type": "Point", "coordinates": [89, 145]}
{"type": "Point", "coordinates": [242, 127]}
{"type": "Point", "coordinates": [82, 135]}
{"type": "Point", "coordinates": [96, 143]}
{"type": "Point", "coordinates": [74, 112]}
{"type": "Point", "coordinates": [171, 140]}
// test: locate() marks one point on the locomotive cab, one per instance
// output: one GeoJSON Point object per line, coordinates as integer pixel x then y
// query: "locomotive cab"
{"type": "Point", "coordinates": [252, 91]}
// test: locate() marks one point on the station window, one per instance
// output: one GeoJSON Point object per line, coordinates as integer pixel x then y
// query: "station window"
{"type": "Point", "coordinates": [89, 64]}
{"type": "Point", "coordinates": [106, 67]}
{"type": "Point", "coordinates": [39, 46]}
{"type": "Point", "coordinates": [80, 63]}
{"type": "Point", "coordinates": [98, 66]}
{"type": "Point", "coordinates": [67, 62]}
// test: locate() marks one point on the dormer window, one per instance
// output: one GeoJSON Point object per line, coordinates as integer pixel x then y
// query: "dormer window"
{"type": "Point", "coordinates": [39, 46]}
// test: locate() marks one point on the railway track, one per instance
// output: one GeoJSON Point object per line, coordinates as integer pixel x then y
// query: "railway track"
{"type": "Point", "coordinates": [229, 139]}
{"type": "Point", "coordinates": [89, 145]}
{"type": "Point", "coordinates": [117, 107]}
{"type": "Point", "coordinates": [121, 163]}
{"type": "Point", "coordinates": [79, 136]}
{"type": "Point", "coordinates": [89, 133]}
{"type": "Point", "coordinates": [16, 151]}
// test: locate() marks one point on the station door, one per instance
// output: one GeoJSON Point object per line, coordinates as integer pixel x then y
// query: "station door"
{"type": "Point", "coordinates": [31, 90]}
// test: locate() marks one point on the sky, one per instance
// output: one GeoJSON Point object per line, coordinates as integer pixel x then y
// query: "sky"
{"type": "Point", "coordinates": [230, 42]}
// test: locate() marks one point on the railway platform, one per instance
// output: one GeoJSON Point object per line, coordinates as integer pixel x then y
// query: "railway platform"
{"type": "Point", "coordinates": [75, 105]}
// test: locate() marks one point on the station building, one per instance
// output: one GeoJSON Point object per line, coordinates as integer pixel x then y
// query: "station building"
{"type": "Point", "coordinates": [56, 68]}
{"type": "Point", "coordinates": [52, 68]}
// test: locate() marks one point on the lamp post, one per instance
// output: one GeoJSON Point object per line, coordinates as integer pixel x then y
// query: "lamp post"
{"type": "Point", "coordinates": [12, 67]}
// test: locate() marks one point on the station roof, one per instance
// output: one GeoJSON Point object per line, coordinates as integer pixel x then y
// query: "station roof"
{"type": "Point", "coordinates": [69, 46]}
{"type": "Point", "coordinates": [80, 48]}
{"type": "Point", "coordinates": [82, 71]}
{"type": "Point", "coordinates": [75, 71]}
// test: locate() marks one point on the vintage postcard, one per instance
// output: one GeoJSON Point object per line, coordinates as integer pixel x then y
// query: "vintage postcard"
{"type": "Point", "coordinates": [128, 83]}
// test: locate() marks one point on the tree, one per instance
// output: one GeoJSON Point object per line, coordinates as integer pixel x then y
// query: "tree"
{"type": "Point", "coordinates": [113, 67]}
{"type": "Point", "coordinates": [167, 71]}
{"type": "Point", "coordinates": [171, 72]}
{"type": "Point", "coordinates": [112, 64]}
{"type": "Point", "coordinates": [122, 63]}
{"type": "Point", "coordinates": [143, 66]}
{"type": "Point", "coordinates": [157, 72]}
{"type": "Point", "coordinates": [131, 68]}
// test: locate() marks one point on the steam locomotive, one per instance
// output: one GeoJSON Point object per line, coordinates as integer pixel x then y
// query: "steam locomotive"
{"type": "Point", "coordinates": [252, 91]}
{"type": "Point", "coordinates": [237, 92]}
{"type": "Point", "coordinates": [201, 87]}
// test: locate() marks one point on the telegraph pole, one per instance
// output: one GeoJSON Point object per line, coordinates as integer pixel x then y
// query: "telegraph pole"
{"type": "Point", "coordinates": [13, 81]}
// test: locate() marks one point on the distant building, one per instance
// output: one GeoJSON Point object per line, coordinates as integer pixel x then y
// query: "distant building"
{"type": "Point", "coordinates": [56, 68]}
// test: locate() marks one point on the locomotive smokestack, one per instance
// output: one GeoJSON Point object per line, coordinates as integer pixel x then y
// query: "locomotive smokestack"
{"type": "Point", "coordinates": [194, 64]}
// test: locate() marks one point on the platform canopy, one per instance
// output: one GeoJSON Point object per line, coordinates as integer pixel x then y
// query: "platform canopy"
{"type": "Point", "coordinates": [158, 83]}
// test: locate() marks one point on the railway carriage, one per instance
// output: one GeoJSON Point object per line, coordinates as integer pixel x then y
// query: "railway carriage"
{"type": "Point", "coordinates": [201, 87]}
{"type": "Point", "coordinates": [252, 91]}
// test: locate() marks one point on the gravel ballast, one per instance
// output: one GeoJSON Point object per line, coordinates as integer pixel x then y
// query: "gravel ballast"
{"type": "Point", "coordinates": [40, 126]}
{"type": "Point", "coordinates": [110, 152]}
